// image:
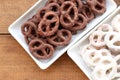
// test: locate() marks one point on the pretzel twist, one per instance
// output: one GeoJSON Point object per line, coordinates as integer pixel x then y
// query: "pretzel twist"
{"type": "Point", "coordinates": [41, 50]}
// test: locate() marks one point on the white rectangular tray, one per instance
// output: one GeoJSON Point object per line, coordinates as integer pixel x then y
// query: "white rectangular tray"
{"type": "Point", "coordinates": [74, 51]}
{"type": "Point", "coordinates": [15, 30]}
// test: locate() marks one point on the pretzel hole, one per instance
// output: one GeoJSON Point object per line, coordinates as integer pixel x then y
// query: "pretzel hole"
{"type": "Point", "coordinates": [108, 71]}
{"type": "Point", "coordinates": [26, 28]}
{"type": "Point", "coordinates": [117, 43]}
{"type": "Point", "coordinates": [66, 7]}
{"type": "Point", "coordinates": [29, 39]}
{"type": "Point", "coordinates": [33, 32]}
{"type": "Point", "coordinates": [58, 40]}
{"type": "Point", "coordinates": [104, 54]}
{"type": "Point", "coordinates": [50, 17]}
{"type": "Point", "coordinates": [88, 48]}
{"type": "Point", "coordinates": [98, 7]}
{"type": "Point", "coordinates": [111, 37]}
{"type": "Point", "coordinates": [39, 52]}
{"type": "Point", "coordinates": [88, 12]}
{"type": "Point", "coordinates": [44, 27]}
{"type": "Point", "coordinates": [106, 62]}
{"type": "Point", "coordinates": [80, 19]}
{"type": "Point", "coordinates": [54, 8]}
{"type": "Point", "coordinates": [47, 50]}
{"type": "Point", "coordinates": [42, 13]}
{"type": "Point", "coordinates": [72, 13]}
{"type": "Point", "coordinates": [95, 38]}
{"type": "Point", "coordinates": [66, 20]}
{"type": "Point", "coordinates": [105, 29]}
{"type": "Point", "coordinates": [52, 25]}
{"type": "Point", "coordinates": [118, 70]}
{"type": "Point", "coordinates": [102, 38]}
{"type": "Point", "coordinates": [65, 34]}
{"type": "Point", "coordinates": [96, 60]}
{"type": "Point", "coordinates": [92, 55]}
{"type": "Point", "coordinates": [76, 25]}
{"type": "Point", "coordinates": [36, 44]}
{"type": "Point", "coordinates": [118, 61]}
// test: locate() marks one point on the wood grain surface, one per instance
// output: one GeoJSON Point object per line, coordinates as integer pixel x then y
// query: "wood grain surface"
{"type": "Point", "coordinates": [16, 64]}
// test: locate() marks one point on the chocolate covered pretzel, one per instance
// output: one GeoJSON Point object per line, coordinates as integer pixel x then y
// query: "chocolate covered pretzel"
{"type": "Point", "coordinates": [29, 31]}
{"type": "Point", "coordinates": [54, 7]}
{"type": "Point", "coordinates": [69, 14]}
{"type": "Point", "coordinates": [61, 38]}
{"type": "Point", "coordinates": [34, 19]}
{"type": "Point", "coordinates": [80, 23]}
{"type": "Point", "coordinates": [88, 13]}
{"type": "Point", "coordinates": [40, 50]}
{"type": "Point", "coordinates": [78, 4]}
{"type": "Point", "coordinates": [49, 25]}
{"type": "Point", "coordinates": [97, 6]}
{"type": "Point", "coordinates": [41, 12]}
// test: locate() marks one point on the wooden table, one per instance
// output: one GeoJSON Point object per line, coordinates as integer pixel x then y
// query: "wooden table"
{"type": "Point", "coordinates": [16, 64]}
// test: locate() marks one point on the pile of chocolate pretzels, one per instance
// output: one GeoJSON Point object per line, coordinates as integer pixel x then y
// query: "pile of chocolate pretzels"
{"type": "Point", "coordinates": [102, 54]}
{"type": "Point", "coordinates": [54, 24]}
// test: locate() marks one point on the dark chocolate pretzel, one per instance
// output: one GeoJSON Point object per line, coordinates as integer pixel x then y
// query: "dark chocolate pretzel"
{"type": "Point", "coordinates": [80, 23]}
{"type": "Point", "coordinates": [40, 50]}
{"type": "Point", "coordinates": [69, 14]}
{"type": "Point", "coordinates": [61, 38]}
{"type": "Point", "coordinates": [49, 25]}
{"type": "Point", "coordinates": [97, 6]}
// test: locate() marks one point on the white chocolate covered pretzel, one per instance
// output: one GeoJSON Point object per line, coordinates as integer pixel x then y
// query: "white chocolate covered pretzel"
{"type": "Point", "coordinates": [86, 48]}
{"type": "Point", "coordinates": [97, 39]}
{"type": "Point", "coordinates": [105, 70]}
{"type": "Point", "coordinates": [105, 28]}
{"type": "Point", "coordinates": [92, 57]}
{"type": "Point", "coordinates": [117, 75]}
{"type": "Point", "coordinates": [112, 40]}
{"type": "Point", "coordinates": [116, 23]}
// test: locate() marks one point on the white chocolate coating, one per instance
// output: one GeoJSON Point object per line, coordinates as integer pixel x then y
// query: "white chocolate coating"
{"type": "Point", "coordinates": [105, 28]}
{"type": "Point", "coordinates": [105, 70]}
{"type": "Point", "coordinates": [116, 23]}
{"type": "Point", "coordinates": [92, 57]}
{"type": "Point", "coordinates": [97, 39]}
{"type": "Point", "coordinates": [112, 40]}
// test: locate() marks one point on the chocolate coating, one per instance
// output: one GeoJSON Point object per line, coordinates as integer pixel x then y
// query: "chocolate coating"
{"type": "Point", "coordinates": [41, 50]}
